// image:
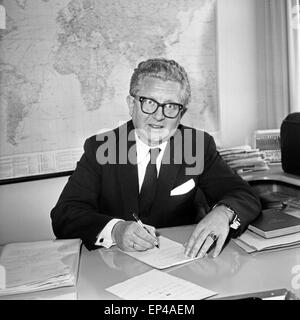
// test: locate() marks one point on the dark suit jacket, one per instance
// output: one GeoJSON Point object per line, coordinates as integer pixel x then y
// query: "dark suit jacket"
{"type": "Point", "coordinates": [97, 193]}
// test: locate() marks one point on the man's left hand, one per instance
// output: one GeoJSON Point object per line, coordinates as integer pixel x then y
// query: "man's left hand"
{"type": "Point", "coordinates": [214, 225]}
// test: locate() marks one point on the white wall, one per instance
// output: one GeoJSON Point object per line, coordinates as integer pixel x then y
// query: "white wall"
{"type": "Point", "coordinates": [237, 70]}
{"type": "Point", "coordinates": [25, 209]}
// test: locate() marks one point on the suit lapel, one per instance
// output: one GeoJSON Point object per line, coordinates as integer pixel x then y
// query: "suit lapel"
{"type": "Point", "coordinates": [128, 174]}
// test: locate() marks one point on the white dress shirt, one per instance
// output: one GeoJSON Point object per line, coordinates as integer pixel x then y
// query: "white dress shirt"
{"type": "Point", "coordinates": [143, 157]}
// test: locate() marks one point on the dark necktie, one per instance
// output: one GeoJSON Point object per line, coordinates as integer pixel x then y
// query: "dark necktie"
{"type": "Point", "coordinates": [148, 189]}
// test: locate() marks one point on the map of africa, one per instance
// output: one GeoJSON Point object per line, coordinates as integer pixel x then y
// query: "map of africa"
{"type": "Point", "coordinates": [66, 64]}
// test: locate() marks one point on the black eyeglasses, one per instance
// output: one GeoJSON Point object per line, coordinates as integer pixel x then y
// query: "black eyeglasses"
{"type": "Point", "coordinates": [150, 106]}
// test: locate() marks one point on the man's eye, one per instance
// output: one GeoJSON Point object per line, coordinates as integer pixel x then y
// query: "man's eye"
{"type": "Point", "coordinates": [170, 107]}
{"type": "Point", "coordinates": [149, 102]}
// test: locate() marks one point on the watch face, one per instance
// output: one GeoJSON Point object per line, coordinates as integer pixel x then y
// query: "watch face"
{"type": "Point", "coordinates": [235, 223]}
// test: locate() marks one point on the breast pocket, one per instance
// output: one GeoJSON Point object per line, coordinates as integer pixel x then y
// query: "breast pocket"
{"type": "Point", "coordinates": [183, 189]}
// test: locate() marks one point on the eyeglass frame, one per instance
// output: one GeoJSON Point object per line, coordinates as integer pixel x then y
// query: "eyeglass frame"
{"type": "Point", "coordinates": [162, 105]}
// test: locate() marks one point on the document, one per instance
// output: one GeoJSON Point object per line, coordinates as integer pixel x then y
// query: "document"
{"type": "Point", "coordinates": [251, 242]}
{"type": "Point", "coordinates": [169, 253]}
{"type": "Point", "coordinates": [158, 285]}
{"type": "Point", "coordinates": [34, 266]}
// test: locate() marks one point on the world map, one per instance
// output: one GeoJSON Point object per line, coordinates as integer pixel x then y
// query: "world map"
{"type": "Point", "coordinates": [66, 65]}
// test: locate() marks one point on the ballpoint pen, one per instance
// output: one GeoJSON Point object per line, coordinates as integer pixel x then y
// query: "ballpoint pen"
{"type": "Point", "coordinates": [137, 219]}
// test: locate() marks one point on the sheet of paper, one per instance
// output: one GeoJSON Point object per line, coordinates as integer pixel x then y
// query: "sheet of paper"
{"type": "Point", "coordinates": [250, 249]}
{"type": "Point", "coordinates": [158, 285]}
{"type": "Point", "coordinates": [259, 243]}
{"type": "Point", "coordinates": [169, 253]}
{"type": "Point", "coordinates": [244, 246]}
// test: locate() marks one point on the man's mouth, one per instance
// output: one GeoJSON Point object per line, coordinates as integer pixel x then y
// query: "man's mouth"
{"type": "Point", "coordinates": [155, 126]}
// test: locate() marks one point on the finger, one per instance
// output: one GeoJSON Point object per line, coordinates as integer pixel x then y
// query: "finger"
{"type": "Point", "coordinates": [128, 246]}
{"type": "Point", "coordinates": [124, 236]}
{"type": "Point", "coordinates": [151, 230]}
{"type": "Point", "coordinates": [144, 241]}
{"type": "Point", "coordinates": [195, 243]}
{"type": "Point", "coordinates": [205, 247]}
{"type": "Point", "coordinates": [138, 247]}
{"type": "Point", "coordinates": [193, 238]}
{"type": "Point", "coordinates": [132, 245]}
{"type": "Point", "coordinates": [130, 249]}
{"type": "Point", "coordinates": [219, 246]}
{"type": "Point", "coordinates": [143, 234]}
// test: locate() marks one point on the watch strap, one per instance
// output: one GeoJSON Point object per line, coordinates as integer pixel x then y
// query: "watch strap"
{"type": "Point", "coordinates": [235, 222]}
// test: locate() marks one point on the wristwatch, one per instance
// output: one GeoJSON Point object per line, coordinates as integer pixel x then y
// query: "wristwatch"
{"type": "Point", "coordinates": [235, 223]}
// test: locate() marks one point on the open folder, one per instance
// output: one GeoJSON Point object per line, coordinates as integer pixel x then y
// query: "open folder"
{"type": "Point", "coordinates": [35, 266]}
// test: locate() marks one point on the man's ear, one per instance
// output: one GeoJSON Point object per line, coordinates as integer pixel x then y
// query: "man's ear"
{"type": "Point", "coordinates": [130, 103]}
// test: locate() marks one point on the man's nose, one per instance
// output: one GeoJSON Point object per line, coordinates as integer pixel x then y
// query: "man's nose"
{"type": "Point", "coordinates": [158, 114]}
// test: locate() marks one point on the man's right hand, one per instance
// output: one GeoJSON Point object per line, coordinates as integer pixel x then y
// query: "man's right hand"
{"type": "Point", "coordinates": [130, 236]}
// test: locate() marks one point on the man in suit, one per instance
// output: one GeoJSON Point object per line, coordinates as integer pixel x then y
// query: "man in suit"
{"type": "Point", "coordinates": [165, 173]}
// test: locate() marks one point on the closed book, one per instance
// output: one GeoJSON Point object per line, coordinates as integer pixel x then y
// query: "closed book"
{"type": "Point", "coordinates": [274, 223]}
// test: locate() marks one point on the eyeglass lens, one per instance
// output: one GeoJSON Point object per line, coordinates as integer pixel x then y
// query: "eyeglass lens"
{"type": "Point", "coordinates": [170, 110]}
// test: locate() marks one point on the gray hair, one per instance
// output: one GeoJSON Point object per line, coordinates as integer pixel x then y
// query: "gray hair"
{"type": "Point", "coordinates": [160, 68]}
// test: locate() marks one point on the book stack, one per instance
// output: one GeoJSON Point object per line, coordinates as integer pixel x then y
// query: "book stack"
{"type": "Point", "coordinates": [273, 229]}
{"type": "Point", "coordinates": [244, 159]}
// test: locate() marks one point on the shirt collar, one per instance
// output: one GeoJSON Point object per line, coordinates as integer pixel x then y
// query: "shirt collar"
{"type": "Point", "coordinates": [142, 149]}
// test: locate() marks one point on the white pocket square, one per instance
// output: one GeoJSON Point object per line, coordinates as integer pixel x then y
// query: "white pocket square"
{"type": "Point", "coordinates": [183, 188]}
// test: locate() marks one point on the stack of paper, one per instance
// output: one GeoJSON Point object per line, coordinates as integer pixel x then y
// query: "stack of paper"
{"type": "Point", "coordinates": [34, 266]}
{"type": "Point", "coordinates": [244, 159]}
{"type": "Point", "coordinates": [251, 242]}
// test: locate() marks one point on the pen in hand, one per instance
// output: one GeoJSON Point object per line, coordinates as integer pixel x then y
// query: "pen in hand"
{"type": "Point", "coordinates": [142, 225]}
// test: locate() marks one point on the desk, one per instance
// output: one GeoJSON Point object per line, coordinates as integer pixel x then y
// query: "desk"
{"type": "Point", "coordinates": [233, 272]}
{"type": "Point", "coordinates": [274, 180]}
{"type": "Point", "coordinates": [275, 173]}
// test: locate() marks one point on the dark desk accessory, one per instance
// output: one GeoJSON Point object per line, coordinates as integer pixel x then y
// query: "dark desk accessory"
{"type": "Point", "coordinates": [290, 146]}
{"type": "Point", "coordinates": [277, 294]}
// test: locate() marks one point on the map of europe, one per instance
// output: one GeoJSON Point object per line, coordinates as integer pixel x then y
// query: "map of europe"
{"type": "Point", "coordinates": [65, 68]}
